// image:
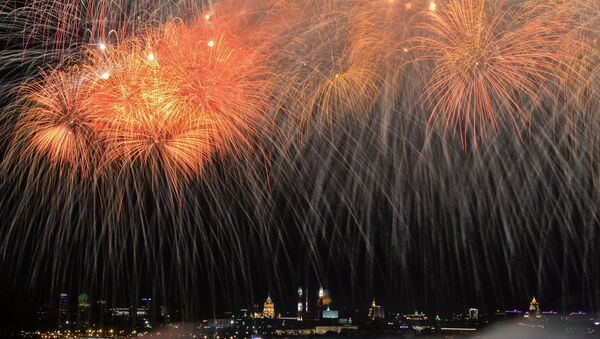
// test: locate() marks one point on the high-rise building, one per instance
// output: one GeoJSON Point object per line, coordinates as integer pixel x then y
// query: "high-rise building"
{"type": "Point", "coordinates": [269, 308]}
{"type": "Point", "coordinates": [123, 316]}
{"type": "Point", "coordinates": [300, 304]}
{"type": "Point", "coordinates": [102, 310]}
{"type": "Point", "coordinates": [473, 314]}
{"type": "Point", "coordinates": [136, 316]}
{"type": "Point", "coordinates": [376, 311]}
{"type": "Point", "coordinates": [144, 314]}
{"type": "Point", "coordinates": [323, 301]}
{"type": "Point", "coordinates": [306, 301]}
{"type": "Point", "coordinates": [83, 311]}
{"type": "Point", "coordinates": [63, 310]}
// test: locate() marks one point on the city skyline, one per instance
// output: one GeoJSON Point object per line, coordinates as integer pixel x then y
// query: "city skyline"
{"type": "Point", "coordinates": [148, 318]}
{"type": "Point", "coordinates": [273, 308]}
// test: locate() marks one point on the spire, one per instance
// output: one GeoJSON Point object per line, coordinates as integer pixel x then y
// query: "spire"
{"type": "Point", "coordinates": [534, 307]}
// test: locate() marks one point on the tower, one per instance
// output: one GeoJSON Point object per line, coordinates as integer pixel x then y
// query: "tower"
{"type": "Point", "coordinates": [306, 300]}
{"type": "Point", "coordinates": [371, 313]}
{"type": "Point", "coordinates": [320, 302]}
{"type": "Point", "coordinates": [534, 308]}
{"type": "Point", "coordinates": [269, 308]}
{"type": "Point", "coordinates": [300, 304]}
{"type": "Point", "coordinates": [376, 311]}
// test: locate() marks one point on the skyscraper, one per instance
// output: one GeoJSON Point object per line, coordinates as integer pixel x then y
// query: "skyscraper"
{"type": "Point", "coordinates": [145, 313]}
{"type": "Point", "coordinates": [63, 310]}
{"type": "Point", "coordinates": [83, 311]}
{"type": "Point", "coordinates": [101, 312]}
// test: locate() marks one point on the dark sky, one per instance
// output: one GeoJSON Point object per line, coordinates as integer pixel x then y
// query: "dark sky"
{"type": "Point", "coordinates": [410, 218]}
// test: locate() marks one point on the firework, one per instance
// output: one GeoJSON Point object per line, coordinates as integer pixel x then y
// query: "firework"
{"type": "Point", "coordinates": [175, 133]}
{"type": "Point", "coordinates": [491, 64]}
{"type": "Point", "coordinates": [327, 64]}
{"type": "Point", "coordinates": [221, 74]}
{"type": "Point", "coordinates": [144, 127]}
{"type": "Point", "coordinates": [166, 102]}
{"type": "Point", "coordinates": [59, 123]}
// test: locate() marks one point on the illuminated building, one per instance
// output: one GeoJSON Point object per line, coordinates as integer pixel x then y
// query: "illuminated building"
{"type": "Point", "coordinates": [102, 310]}
{"type": "Point", "coordinates": [534, 308]}
{"type": "Point", "coordinates": [256, 313]}
{"type": "Point", "coordinates": [269, 308]}
{"type": "Point", "coordinates": [121, 315]}
{"type": "Point", "coordinates": [83, 311]}
{"type": "Point", "coordinates": [416, 316]}
{"type": "Point", "coordinates": [330, 314]}
{"type": "Point", "coordinates": [323, 301]}
{"type": "Point", "coordinates": [63, 310]}
{"type": "Point", "coordinates": [321, 296]}
{"type": "Point", "coordinates": [144, 313]}
{"type": "Point", "coordinates": [320, 302]}
{"type": "Point", "coordinates": [473, 314]}
{"type": "Point", "coordinates": [300, 304]}
{"type": "Point", "coordinates": [376, 311]}
{"type": "Point", "coordinates": [137, 316]}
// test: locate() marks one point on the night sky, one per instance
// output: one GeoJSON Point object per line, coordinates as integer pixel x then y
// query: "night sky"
{"type": "Point", "coordinates": [381, 206]}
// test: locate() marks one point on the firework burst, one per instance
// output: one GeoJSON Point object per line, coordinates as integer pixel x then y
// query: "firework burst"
{"type": "Point", "coordinates": [169, 100]}
{"type": "Point", "coordinates": [327, 64]}
{"type": "Point", "coordinates": [492, 62]}
{"type": "Point", "coordinates": [144, 127]}
{"type": "Point", "coordinates": [220, 74]}
{"type": "Point", "coordinates": [59, 123]}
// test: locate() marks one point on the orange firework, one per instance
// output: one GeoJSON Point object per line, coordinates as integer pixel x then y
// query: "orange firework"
{"type": "Point", "coordinates": [580, 93]}
{"type": "Point", "coordinates": [491, 62]}
{"type": "Point", "coordinates": [170, 101]}
{"type": "Point", "coordinates": [219, 74]}
{"type": "Point", "coordinates": [58, 122]}
{"type": "Point", "coordinates": [144, 125]}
